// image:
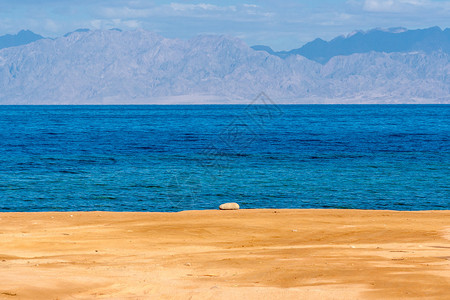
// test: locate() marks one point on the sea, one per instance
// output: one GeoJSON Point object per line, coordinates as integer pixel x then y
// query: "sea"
{"type": "Point", "coordinates": [193, 157]}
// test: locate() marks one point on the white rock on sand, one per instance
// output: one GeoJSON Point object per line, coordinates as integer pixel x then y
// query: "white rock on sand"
{"type": "Point", "coordinates": [229, 206]}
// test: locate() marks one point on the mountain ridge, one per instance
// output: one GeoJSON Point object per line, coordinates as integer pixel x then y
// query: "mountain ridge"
{"type": "Point", "coordinates": [379, 40]}
{"type": "Point", "coordinates": [141, 67]}
{"type": "Point", "coordinates": [396, 39]}
{"type": "Point", "coordinates": [23, 37]}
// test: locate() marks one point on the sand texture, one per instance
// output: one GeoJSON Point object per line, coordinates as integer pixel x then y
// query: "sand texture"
{"type": "Point", "coordinates": [245, 254]}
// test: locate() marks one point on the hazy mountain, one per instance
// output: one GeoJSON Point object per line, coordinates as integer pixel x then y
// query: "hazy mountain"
{"type": "Point", "coordinates": [110, 67]}
{"type": "Point", "coordinates": [265, 48]}
{"type": "Point", "coordinates": [78, 30]}
{"type": "Point", "coordinates": [22, 38]}
{"type": "Point", "coordinates": [378, 40]}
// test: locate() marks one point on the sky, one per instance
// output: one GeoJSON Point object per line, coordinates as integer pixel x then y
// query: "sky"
{"type": "Point", "coordinates": [283, 25]}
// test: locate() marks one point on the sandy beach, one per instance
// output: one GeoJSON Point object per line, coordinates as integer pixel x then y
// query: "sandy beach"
{"type": "Point", "coordinates": [245, 254]}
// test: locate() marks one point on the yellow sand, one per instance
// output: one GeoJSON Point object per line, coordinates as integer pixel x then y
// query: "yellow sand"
{"type": "Point", "coordinates": [246, 254]}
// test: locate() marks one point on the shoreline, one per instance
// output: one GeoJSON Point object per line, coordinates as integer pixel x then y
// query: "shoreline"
{"type": "Point", "coordinates": [214, 210]}
{"type": "Point", "coordinates": [212, 254]}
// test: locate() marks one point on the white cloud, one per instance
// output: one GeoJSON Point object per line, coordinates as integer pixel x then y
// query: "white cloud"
{"type": "Point", "coordinates": [132, 23]}
{"type": "Point", "coordinates": [114, 23]}
{"type": "Point", "coordinates": [398, 6]}
{"type": "Point", "coordinates": [51, 25]}
{"type": "Point", "coordinates": [200, 6]}
{"type": "Point", "coordinates": [255, 10]}
{"type": "Point", "coordinates": [96, 24]}
{"type": "Point", "coordinates": [251, 5]}
{"type": "Point", "coordinates": [125, 12]}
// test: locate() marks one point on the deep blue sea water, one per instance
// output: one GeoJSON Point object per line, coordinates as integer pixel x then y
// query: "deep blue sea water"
{"type": "Point", "coordinates": [170, 158]}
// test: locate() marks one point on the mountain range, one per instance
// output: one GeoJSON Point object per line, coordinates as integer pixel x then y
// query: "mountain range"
{"type": "Point", "coordinates": [142, 67]}
{"type": "Point", "coordinates": [22, 38]}
{"type": "Point", "coordinates": [378, 40]}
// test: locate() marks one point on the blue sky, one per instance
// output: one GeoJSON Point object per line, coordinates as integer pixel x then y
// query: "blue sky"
{"type": "Point", "coordinates": [281, 24]}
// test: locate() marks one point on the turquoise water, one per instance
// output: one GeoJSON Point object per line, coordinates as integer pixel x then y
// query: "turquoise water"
{"type": "Point", "coordinates": [170, 158]}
